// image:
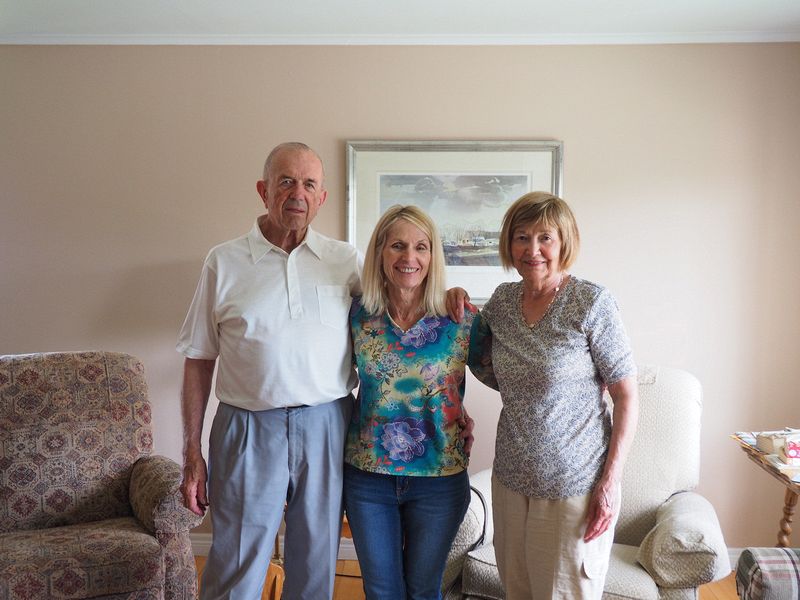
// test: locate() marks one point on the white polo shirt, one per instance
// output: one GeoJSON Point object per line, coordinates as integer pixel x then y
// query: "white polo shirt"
{"type": "Point", "coordinates": [278, 322]}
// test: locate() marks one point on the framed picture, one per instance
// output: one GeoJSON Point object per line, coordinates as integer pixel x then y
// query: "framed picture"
{"type": "Point", "coordinates": [465, 187]}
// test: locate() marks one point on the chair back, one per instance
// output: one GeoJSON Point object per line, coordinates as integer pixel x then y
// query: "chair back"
{"type": "Point", "coordinates": [665, 455]}
{"type": "Point", "coordinates": [71, 427]}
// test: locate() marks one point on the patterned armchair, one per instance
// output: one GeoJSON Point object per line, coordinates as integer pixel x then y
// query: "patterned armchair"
{"type": "Point", "coordinates": [85, 511]}
{"type": "Point", "coordinates": [668, 540]}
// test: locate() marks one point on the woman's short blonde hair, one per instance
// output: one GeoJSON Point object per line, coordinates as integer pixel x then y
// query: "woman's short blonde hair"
{"type": "Point", "coordinates": [549, 210]}
{"type": "Point", "coordinates": [373, 280]}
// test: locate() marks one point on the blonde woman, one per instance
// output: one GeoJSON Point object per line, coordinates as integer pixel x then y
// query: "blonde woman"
{"type": "Point", "coordinates": [406, 487]}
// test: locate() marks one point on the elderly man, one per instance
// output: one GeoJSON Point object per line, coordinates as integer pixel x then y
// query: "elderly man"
{"type": "Point", "coordinates": [272, 307]}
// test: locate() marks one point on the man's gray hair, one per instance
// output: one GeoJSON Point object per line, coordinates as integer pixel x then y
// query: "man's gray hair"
{"type": "Point", "coordinates": [297, 147]}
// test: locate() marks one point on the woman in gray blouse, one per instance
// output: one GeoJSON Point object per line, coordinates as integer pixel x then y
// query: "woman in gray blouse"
{"type": "Point", "coordinates": [555, 342]}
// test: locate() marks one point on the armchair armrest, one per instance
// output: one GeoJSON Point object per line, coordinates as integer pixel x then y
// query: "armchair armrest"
{"type": "Point", "coordinates": [686, 547]}
{"type": "Point", "coordinates": [156, 498]}
{"type": "Point", "coordinates": [476, 529]}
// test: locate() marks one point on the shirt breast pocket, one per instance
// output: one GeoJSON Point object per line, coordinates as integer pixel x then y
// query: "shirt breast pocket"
{"type": "Point", "coordinates": [334, 305]}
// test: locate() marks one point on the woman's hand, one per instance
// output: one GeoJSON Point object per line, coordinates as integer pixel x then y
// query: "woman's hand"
{"type": "Point", "coordinates": [604, 503]}
{"type": "Point", "coordinates": [467, 424]}
{"type": "Point", "coordinates": [603, 507]}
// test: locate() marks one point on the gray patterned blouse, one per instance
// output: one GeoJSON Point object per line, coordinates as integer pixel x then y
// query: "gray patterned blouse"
{"type": "Point", "coordinates": [554, 429]}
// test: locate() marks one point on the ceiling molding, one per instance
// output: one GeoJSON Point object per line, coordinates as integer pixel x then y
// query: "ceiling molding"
{"type": "Point", "coordinates": [733, 37]}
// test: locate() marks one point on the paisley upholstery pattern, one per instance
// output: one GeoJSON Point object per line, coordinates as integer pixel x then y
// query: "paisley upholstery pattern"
{"type": "Point", "coordinates": [84, 510]}
{"type": "Point", "coordinates": [77, 561]}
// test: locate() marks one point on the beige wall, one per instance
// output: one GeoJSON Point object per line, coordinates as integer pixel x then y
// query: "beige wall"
{"type": "Point", "coordinates": [122, 166]}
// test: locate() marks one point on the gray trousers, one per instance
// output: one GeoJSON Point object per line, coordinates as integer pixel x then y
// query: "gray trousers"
{"type": "Point", "coordinates": [260, 462]}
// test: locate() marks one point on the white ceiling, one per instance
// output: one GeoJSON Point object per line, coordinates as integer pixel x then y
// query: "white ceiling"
{"type": "Point", "coordinates": [397, 21]}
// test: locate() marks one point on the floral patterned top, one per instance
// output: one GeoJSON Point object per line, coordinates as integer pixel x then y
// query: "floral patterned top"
{"type": "Point", "coordinates": [410, 394]}
{"type": "Point", "coordinates": [555, 426]}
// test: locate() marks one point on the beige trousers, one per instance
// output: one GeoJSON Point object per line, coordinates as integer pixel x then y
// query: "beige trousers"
{"type": "Point", "coordinates": [540, 549]}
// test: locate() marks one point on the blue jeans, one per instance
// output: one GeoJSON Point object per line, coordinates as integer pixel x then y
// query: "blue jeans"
{"type": "Point", "coordinates": [403, 528]}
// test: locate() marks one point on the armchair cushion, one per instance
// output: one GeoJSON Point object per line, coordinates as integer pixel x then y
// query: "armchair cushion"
{"type": "Point", "coordinates": [685, 548]}
{"type": "Point", "coordinates": [626, 579]}
{"type": "Point", "coordinates": [86, 560]}
{"type": "Point", "coordinates": [670, 411]}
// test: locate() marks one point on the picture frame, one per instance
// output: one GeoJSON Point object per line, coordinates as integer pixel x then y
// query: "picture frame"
{"type": "Point", "coordinates": [465, 186]}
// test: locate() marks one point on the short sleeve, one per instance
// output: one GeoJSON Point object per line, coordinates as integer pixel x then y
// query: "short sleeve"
{"type": "Point", "coordinates": [199, 336]}
{"type": "Point", "coordinates": [488, 310]}
{"type": "Point", "coordinates": [608, 341]}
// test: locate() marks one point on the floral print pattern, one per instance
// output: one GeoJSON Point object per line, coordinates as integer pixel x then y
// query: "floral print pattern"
{"type": "Point", "coordinates": [410, 395]}
{"type": "Point", "coordinates": [555, 426]}
{"type": "Point", "coordinates": [404, 438]}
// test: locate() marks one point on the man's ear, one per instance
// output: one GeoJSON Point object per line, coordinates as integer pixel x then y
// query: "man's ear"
{"type": "Point", "coordinates": [322, 197]}
{"type": "Point", "coordinates": [261, 188]}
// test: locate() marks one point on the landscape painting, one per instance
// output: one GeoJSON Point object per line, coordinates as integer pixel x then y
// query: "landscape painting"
{"type": "Point", "coordinates": [468, 209]}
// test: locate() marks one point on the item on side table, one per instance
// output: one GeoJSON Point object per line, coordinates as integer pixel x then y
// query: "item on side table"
{"type": "Point", "coordinates": [790, 452]}
{"type": "Point", "coordinates": [771, 442]}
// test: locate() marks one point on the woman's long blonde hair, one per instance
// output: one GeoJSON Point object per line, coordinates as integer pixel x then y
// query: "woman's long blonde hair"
{"type": "Point", "coordinates": [373, 280]}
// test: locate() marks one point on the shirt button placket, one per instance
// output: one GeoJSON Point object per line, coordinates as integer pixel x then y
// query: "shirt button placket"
{"type": "Point", "coordinates": [293, 286]}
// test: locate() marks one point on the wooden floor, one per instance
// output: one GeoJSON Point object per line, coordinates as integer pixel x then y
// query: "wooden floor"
{"type": "Point", "coordinates": [348, 583]}
{"type": "Point", "coordinates": [724, 589]}
{"type": "Point", "coordinates": [346, 587]}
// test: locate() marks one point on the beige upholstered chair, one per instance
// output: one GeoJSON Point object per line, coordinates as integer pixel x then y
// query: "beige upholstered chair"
{"type": "Point", "coordinates": [668, 540]}
{"type": "Point", "coordinates": [85, 511]}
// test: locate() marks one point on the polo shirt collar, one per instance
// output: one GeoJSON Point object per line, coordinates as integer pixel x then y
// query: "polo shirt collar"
{"type": "Point", "coordinates": [314, 242]}
{"type": "Point", "coordinates": [261, 246]}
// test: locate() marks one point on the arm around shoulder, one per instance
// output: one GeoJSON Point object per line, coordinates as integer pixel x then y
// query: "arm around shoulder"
{"type": "Point", "coordinates": [480, 352]}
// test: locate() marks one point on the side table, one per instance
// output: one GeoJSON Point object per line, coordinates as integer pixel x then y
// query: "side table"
{"type": "Point", "coordinates": [792, 488]}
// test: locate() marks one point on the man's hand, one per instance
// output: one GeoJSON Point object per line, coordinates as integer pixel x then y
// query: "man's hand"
{"type": "Point", "coordinates": [197, 375]}
{"type": "Point", "coordinates": [454, 302]}
{"type": "Point", "coordinates": [193, 486]}
{"type": "Point", "coordinates": [467, 424]}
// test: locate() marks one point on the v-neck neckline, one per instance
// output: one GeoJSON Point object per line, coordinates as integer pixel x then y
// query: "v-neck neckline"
{"type": "Point", "coordinates": [548, 310]}
{"type": "Point", "coordinates": [410, 327]}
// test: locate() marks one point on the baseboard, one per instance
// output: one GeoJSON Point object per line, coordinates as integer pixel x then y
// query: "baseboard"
{"type": "Point", "coordinates": [201, 544]}
{"type": "Point", "coordinates": [734, 555]}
